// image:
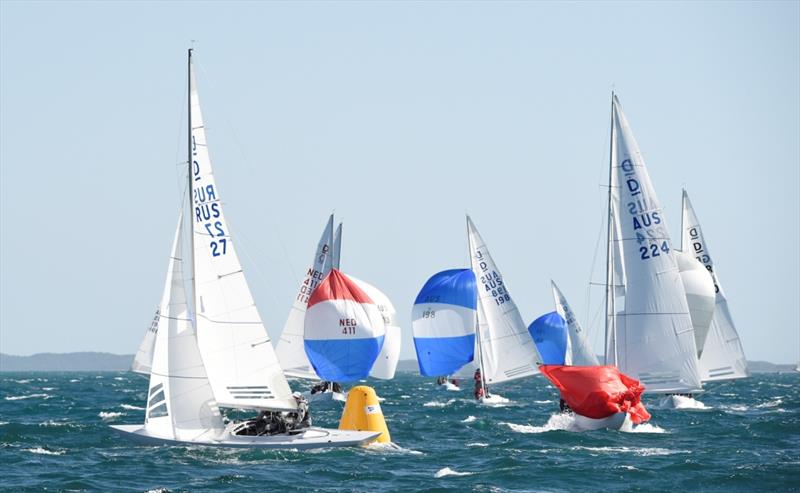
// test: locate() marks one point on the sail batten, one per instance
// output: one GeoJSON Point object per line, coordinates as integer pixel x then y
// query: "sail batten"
{"type": "Point", "coordinates": [653, 337]}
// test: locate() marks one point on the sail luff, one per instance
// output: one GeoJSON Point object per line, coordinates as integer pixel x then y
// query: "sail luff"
{"type": "Point", "coordinates": [579, 352]}
{"type": "Point", "coordinates": [507, 349]}
{"type": "Point", "coordinates": [656, 339]}
{"type": "Point", "coordinates": [241, 363]}
{"type": "Point", "coordinates": [290, 349]}
{"type": "Point", "coordinates": [723, 356]}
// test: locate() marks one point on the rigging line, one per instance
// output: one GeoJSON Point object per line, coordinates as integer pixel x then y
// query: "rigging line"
{"type": "Point", "coordinates": [272, 224]}
{"type": "Point", "coordinates": [603, 214]}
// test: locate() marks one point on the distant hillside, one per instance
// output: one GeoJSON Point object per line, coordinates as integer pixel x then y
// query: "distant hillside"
{"type": "Point", "coordinates": [767, 367]}
{"type": "Point", "coordinates": [88, 361]}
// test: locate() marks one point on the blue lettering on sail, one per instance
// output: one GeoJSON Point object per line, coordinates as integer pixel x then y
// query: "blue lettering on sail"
{"type": "Point", "coordinates": [651, 236]}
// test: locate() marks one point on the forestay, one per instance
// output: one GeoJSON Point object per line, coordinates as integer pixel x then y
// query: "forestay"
{"type": "Point", "coordinates": [180, 402]}
{"type": "Point", "coordinates": [344, 330]}
{"type": "Point", "coordinates": [290, 350]}
{"type": "Point", "coordinates": [579, 352]}
{"type": "Point", "coordinates": [507, 351]}
{"type": "Point", "coordinates": [655, 342]}
{"type": "Point", "coordinates": [443, 322]}
{"type": "Point", "coordinates": [723, 356]}
{"type": "Point", "coordinates": [241, 364]}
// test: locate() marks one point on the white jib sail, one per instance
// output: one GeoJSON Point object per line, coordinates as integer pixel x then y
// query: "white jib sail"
{"type": "Point", "coordinates": [143, 361]}
{"type": "Point", "coordinates": [723, 356]}
{"type": "Point", "coordinates": [700, 296]}
{"type": "Point", "coordinates": [180, 402]}
{"type": "Point", "coordinates": [290, 348]}
{"type": "Point", "coordinates": [507, 350]}
{"type": "Point", "coordinates": [385, 365]}
{"type": "Point", "coordinates": [579, 352]}
{"type": "Point", "coordinates": [655, 344]}
{"type": "Point", "coordinates": [337, 248]}
{"type": "Point", "coordinates": [241, 364]}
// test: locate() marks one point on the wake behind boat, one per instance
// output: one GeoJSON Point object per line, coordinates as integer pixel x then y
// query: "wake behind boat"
{"type": "Point", "coordinates": [194, 346]}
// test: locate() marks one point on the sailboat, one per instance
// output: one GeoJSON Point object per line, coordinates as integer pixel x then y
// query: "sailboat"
{"type": "Point", "coordinates": [562, 334]}
{"type": "Point", "coordinates": [290, 348]}
{"type": "Point", "coordinates": [649, 331]}
{"type": "Point", "coordinates": [215, 352]}
{"type": "Point", "coordinates": [722, 356]}
{"type": "Point", "coordinates": [452, 328]}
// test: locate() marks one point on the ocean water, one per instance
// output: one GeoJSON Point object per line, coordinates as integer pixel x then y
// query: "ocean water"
{"type": "Point", "coordinates": [54, 436]}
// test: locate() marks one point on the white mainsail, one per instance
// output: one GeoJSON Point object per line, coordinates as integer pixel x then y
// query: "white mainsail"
{"type": "Point", "coordinates": [290, 348]}
{"type": "Point", "coordinates": [143, 361]}
{"type": "Point", "coordinates": [579, 352]}
{"type": "Point", "coordinates": [180, 402]}
{"type": "Point", "coordinates": [506, 349]}
{"type": "Point", "coordinates": [241, 364]}
{"type": "Point", "coordinates": [723, 356]}
{"type": "Point", "coordinates": [654, 337]}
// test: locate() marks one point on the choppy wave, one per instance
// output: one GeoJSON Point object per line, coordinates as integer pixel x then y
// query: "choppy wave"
{"type": "Point", "coordinates": [439, 403]}
{"type": "Point", "coordinates": [44, 451]}
{"type": "Point", "coordinates": [469, 419]}
{"type": "Point", "coordinates": [28, 396]}
{"type": "Point", "coordinates": [477, 444]}
{"type": "Point", "coordinates": [108, 416]}
{"type": "Point", "coordinates": [640, 451]}
{"type": "Point", "coordinates": [629, 427]}
{"type": "Point", "coordinates": [131, 408]}
{"type": "Point", "coordinates": [441, 473]}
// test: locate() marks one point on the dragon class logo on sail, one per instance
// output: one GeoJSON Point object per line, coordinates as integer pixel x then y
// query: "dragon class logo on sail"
{"type": "Point", "coordinates": [646, 222]}
{"type": "Point", "coordinates": [206, 209]}
{"type": "Point", "coordinates": [492, 282]}
{"type": "Point", "coordinates": [701, 254]}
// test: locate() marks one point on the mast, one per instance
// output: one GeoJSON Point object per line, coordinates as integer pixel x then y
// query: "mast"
{"type": "Point", "coordinates": [609, 251]}
{"type": "Point", "coordinates": [477, 322]}
{"type": "Point", "coordinates": [190, 163]}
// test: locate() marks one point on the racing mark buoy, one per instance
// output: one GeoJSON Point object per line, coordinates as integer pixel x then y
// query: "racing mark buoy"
{"type": "Point", "coordinates": [362, 412]}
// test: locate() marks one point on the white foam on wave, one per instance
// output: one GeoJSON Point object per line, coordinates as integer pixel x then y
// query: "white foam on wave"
{"type": "Point", "coordinates": [640, 451]}
{"type": "Point", "coordinates": [559, 421]}
{"type": "Point", "coordinates": [391, 448]}
{"type": "Point", "coordinates": [74, 380]}
{"type": "Point", "coordinates": [477, 444]}
{"type": "Point", "coordinates": [404, 396]}
{"type": "Point", "coordinates": [44, 451]}
{"type": "Point", "coordinates": [3, 423]}
{"type": "Point", "coordinates": [441, 473]}
{"type": "Point", "coordinates": [681, 402]}
{"type": "Point", "coordinates": [119, 378]}
{"type": "Point", "coordinates": [438, 404]}
{"type": "Point", "coordinates": [158, 490]}
{"type": "Point", "coordinates": [469, 419]}
{"type": "Point", "coordinates": [773, 403]}
{"type": "Point", "coordinates": [29, 396]}
{"type": "Point", "coordinates": [629, 427]}
{"type": "Point", "coordinates": [108, 416]}
{"type": "Point", "coordinates": [131, 408]}
{"type": "Point", "coordinates": [48, 388]}
{"type": "Point", "coordinates": [23, 381]}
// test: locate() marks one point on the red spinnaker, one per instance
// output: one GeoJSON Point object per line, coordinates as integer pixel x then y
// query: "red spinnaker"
{"type": "Point", "coordinates": [598, 391]}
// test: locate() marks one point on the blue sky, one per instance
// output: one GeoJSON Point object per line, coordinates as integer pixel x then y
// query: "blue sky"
{"type": "Point", "coordinates": [401, 117]}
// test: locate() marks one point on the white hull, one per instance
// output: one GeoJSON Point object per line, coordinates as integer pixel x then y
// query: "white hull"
{"type": "Point", "coordinates": [321, 398]}
{"type": "Point", "coordinates": [613, 422]}
{"type": "Point", "coordinates": [310, 438]}
{"type": "Point", "coordinates": [450, 386]}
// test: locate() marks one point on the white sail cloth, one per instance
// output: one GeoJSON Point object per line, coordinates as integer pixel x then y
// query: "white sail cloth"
{"type": "Point", "coordinates": [386, 363]}
{"type": "Point", "coordinates": [241, 364]}
{"type": "Point", "coordinates": [506, 349]}
{"type": "Point", "coordinates": [290, 349]}
{"type": "Point", "coordinates": [579, 352]}
{"type": "Point", "coordinates": [700, 296]}
{"type": "Point", "coordinates": [180, 402]}
{"type": "Point", "coordinates": [143, 360]}
{"type": "Point", "coordinates": [723, 356]}
{"type": "Point", "coordinates": [654, 337]}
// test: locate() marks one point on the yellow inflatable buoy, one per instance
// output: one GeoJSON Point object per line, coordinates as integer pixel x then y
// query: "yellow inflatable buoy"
{"type": "Point", "coordinates": [362, 412]}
